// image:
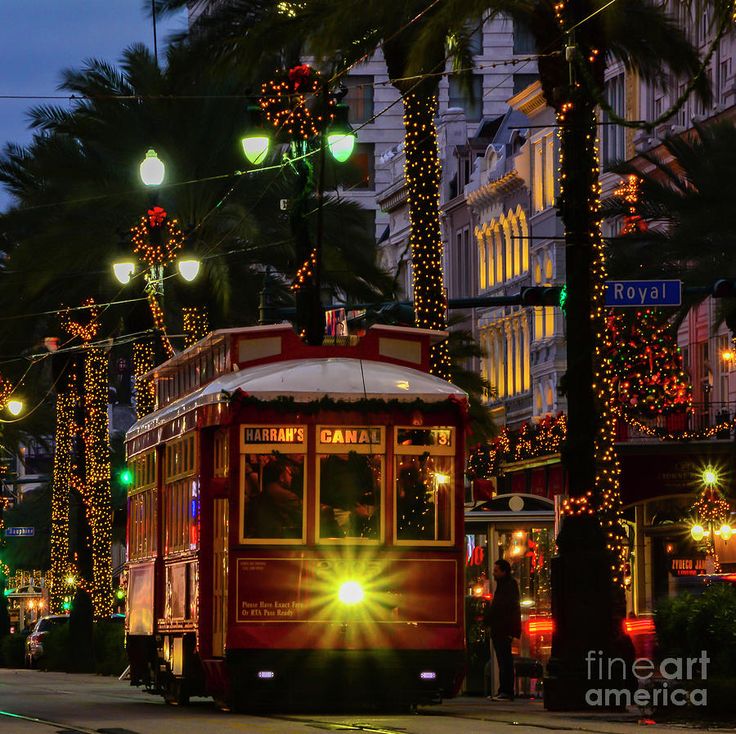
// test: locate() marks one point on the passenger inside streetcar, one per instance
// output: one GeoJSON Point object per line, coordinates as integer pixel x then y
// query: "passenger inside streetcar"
{"type": "Point", "coordinates": [273, 507]}
{"type": "Point", "coordinates": [349, 496]}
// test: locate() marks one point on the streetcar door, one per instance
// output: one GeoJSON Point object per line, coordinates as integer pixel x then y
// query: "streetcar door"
{"type": "Point", "coordinates": [219, 591]}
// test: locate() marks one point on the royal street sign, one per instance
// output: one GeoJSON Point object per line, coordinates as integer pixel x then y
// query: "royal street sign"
{"type": "Point", "coordinates": [20, 532]}
{"type": "Point", "coordinates": [643, 293]}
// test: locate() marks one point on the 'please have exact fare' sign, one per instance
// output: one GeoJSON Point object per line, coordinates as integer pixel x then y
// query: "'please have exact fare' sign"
{"type": "Point", "coordinates": [637, 293]}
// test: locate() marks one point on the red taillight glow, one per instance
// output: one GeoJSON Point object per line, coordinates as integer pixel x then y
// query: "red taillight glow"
{"type": "Point", "coordinates": [540, 626]}
{"type": "Point", "coordinates": [643, 626]}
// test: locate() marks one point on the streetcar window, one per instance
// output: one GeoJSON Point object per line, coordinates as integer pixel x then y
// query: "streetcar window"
{"type": "Point", "coordinates": [273, 496]}
{"type": "Point", "coordinates": [424, 490]}
{"type": "Point", "coordinates": [350, 496]}
{"type": "Point", "coordinates": [176, 591]}
{"type": "Point", "coordinates": [222, 462]}
{"type": "Point", "coordinates": [181, 515]}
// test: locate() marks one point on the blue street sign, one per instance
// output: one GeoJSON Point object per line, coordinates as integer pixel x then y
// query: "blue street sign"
{"type": "Point", "coordinates": [639, 293]}
{"type": "Point", "coordinates": [20, 532]}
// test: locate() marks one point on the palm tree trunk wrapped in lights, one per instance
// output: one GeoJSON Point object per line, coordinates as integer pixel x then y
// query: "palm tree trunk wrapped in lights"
{"type": "Point", "coordinates": [144, 360]}
{"type": "Point", "coordinates": [422, 174]}
{"type": "Point", "coordinates": [94, 486]}
{"type": "Point", "coordinates": [196, 324]}
{"type": "Point", "coordinates": [98, 496]}
{"type": "Point", "coordinates": [66, 401]}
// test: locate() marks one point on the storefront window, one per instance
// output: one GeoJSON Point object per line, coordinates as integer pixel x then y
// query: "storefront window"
{"type": "Point", "coordinates": [425, 483]}
{"type": "Point", "coordinates": [273, 496]}
{"type": "Point", "coordinates": [529, 551]}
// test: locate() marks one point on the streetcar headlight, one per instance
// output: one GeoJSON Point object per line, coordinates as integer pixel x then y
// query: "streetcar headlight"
{"type": "Point", "coordinates": [351, 592]}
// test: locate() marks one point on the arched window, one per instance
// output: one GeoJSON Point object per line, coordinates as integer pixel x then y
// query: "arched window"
{"type": "Point", "coordinates": [515, 242]}
{"type": "Point", "coordinates": [524, 242]}
{"type": "Point", "coordinates": [548, 269]}
{"type": "Point", "coordinates": [508, 247]}
{"type": "Point", "coordinates": [537, 271]}
{"type": "Point", "coordinates": [498, 252]}
{"type": "Point", "coordinates": [482, 258]}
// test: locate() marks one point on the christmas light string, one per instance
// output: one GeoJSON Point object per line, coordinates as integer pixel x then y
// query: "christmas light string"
{"type": "Point", "coordinates": [196, 324]}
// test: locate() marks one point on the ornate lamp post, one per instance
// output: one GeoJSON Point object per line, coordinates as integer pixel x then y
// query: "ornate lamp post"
{"type": "Point", "coordinates": [299, 111]}
{"type": "Point", "coordinates": [157, 242]}
{"type": "Point", "coordinates": [712, 516]}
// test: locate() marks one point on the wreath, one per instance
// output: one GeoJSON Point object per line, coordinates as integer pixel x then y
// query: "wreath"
{"type": "Point", "coordinates": [156, 238]}
{"type": "Point", "coordinates": [295, 102]}
{"type": "Point", "coordinates": [86, 329]}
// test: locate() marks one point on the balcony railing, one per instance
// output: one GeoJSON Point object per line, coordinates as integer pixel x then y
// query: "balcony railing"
{"type": "Point", "coordinates": [704, 421]}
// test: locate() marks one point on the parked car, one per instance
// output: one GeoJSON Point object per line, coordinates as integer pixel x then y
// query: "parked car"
{"type": "Point", "coordinates": [34, 641]}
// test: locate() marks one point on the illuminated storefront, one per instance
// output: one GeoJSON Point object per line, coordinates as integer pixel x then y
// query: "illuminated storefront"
{"type": "Point", "coordinates": [521, 529]}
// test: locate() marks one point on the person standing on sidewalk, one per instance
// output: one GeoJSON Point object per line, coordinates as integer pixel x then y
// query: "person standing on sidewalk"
{"type": "Point", "coordinates": [503, 617]}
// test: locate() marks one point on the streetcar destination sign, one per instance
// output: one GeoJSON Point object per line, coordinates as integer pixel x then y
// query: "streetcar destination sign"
{"type": "Point", "coordinates": [638, 293]}
{"type": "Point", "coordinates": [20, 532]}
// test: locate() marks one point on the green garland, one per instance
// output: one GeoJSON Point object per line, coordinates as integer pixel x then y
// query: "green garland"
{"type": "Point", "coordinates": [287, 404]}
{"type": "Point", "coordinates": [529, 442]}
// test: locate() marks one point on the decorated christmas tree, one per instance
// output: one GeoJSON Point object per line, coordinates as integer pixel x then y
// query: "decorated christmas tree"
{"type": "Point", "coordinates": [646, 364]}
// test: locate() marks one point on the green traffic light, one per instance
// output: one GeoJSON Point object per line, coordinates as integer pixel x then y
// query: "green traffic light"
{"type": "Point", "coordinates": [119, 594]}
{"type": "Point", "coordinates": [126, 477]}
{"type": "Point", "coordinates": [563, 299]}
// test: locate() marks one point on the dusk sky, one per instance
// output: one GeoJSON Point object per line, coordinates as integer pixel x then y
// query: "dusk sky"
{"type": "Point", "coordinates": [39, 38]}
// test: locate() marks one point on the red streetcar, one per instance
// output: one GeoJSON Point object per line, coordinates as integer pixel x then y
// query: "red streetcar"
{"type": "Point", "coordinates": [295, 526]}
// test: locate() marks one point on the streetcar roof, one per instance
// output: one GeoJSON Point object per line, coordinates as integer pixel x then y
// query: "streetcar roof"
{"type": "Point", "coordinates": [309, 380]}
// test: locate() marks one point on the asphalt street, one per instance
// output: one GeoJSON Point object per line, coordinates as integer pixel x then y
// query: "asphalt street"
{"type": "Point", "coordinates": [34, 702]}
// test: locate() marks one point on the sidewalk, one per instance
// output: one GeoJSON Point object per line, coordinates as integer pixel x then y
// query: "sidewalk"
{"type": "Point", "coordinates": [531, 713]}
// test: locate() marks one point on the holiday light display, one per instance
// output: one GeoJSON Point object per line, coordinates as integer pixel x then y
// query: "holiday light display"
{"type": "Point", "coordinates": [66, 402]}
{"type": "Point", "coordinates": [196, 325]}
{"type": "Point", "coordinates": [6, 390]}
{"type": "Point", "coordinates": [98, 497]}
{"type": "Point", "coordinates": [606, 497]}
{"type": "Point", "coordinates": [159, 324]}
{"type": "Point", "coordinates": [530, 442]}
{"type": "Point", "coordinates": [422, 175]}
{"type": "Point", "coordinates": [712, 514]}
{"type": "Point", "coordinates": [144, 360]}
{"type": "Point", "coordinates": [156, 238]}
{"type": "Point", "coordinates": [648, 378]}
{"type": "Point", "coordinates": [86, 329]}
{"type": "Point", "coordinates": [628, 190]}
{"type": "Point", "coordinates": [306, 272]}
{"type": "Point", "coordinates": [94, 484]}
{"type": "Point", "coordinates": [296, 102]}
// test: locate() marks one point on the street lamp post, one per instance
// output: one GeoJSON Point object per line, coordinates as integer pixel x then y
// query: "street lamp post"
{"type": "Point", "coordinates": [712, 516]}
{"type": "Point", "coordinates": [158, 241]}
{"type": "Point", "coordinates": [303, 113]}
{"type": "Point", "coordinates": [14, 406]}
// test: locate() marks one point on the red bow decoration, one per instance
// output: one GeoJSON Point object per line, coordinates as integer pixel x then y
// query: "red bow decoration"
{"type": "Point", "coordinates": [156, 216]}
{"type": "Point", "coordinates": [299, 75]}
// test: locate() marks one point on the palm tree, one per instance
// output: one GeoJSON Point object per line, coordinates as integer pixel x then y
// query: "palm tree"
{"type": "Point", "coordinates": [77, 193]}
{"type": "Point", "coordinates": [685, 189]}
{"type": "Point", "coordinates": [243, 32]}
{"type": "Point", "coordinates": [576, 39]}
